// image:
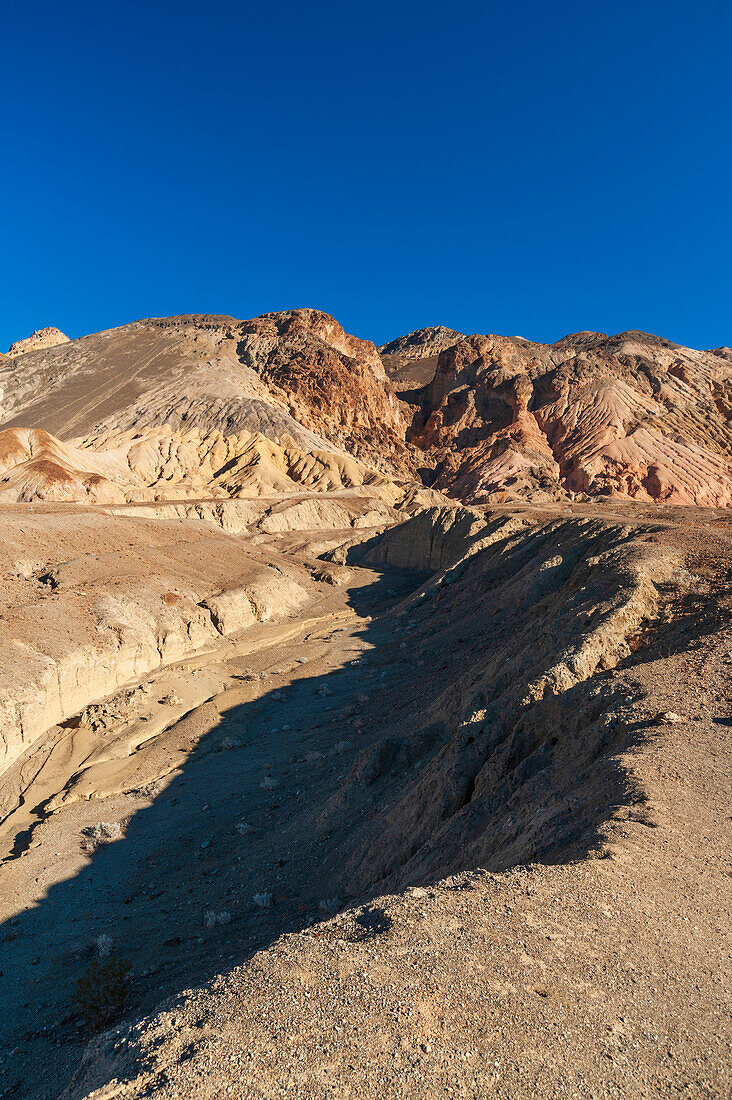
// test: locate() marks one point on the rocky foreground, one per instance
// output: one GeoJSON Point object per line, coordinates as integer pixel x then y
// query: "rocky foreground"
{"type": "Point", "coordinates": [316, 781]}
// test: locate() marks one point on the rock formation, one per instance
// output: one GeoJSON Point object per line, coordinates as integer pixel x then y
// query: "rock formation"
{"type": "Point", "coordinates": [295, 374]}
{"type": "Point", "coordinates": [162, 463]}
{"type": "Point", "coordinates": [487, 418]}
{"type": "Point", "coordinates": [630, 415]}
{"type": "Point", "coordinates": [410, 361]}
{"type": "Point", "coordinates": [39, 340]}
{"type": "Point", "coordinates": [423, 343]}
{"type": "Point", "coordinates": [115, 614]}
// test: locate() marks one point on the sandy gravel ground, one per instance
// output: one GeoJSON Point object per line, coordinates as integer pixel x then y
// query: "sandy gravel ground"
{"type": "Point", "coordinates": [601, 975]}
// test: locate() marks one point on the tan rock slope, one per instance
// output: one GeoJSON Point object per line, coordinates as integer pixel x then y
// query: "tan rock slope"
{"type": "Point", "coordinates": [192, 407]}
{"type": "Point", "coordinates": [89, 603]}
{"type": "Point", "coordinates": [162, 463]}
{"type": "Point", "coordinates": [295, 374]}
{"type": "Point", "coordinates": [34, 465]}
{"type": "Point", "coordinates": [39, 340]}
{"type": "Point", "coordinates": [92, 599]}
{"type": "Point", "coordinates": [468, 836]}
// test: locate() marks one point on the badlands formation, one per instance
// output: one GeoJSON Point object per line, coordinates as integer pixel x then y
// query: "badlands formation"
{"type": "Point", "coordinates": [364, 714]}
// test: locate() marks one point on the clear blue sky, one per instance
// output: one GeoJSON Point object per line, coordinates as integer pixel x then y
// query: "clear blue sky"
{"type": "Point", "coordinates": [527, 167]}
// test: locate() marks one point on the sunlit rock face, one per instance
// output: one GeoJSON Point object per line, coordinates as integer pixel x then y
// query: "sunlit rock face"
{"type": "Point", "coordinates": [37, 341]}
{"type": "Point", "coordinates": [629, 415]}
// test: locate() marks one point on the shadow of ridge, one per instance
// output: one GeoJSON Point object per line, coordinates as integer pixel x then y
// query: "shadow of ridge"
{"type": "Point", "coordinates": [177, 893]}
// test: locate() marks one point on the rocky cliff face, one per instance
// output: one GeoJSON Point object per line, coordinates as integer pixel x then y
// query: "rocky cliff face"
{"type": "Point", "coordinates": [37, 341]}
{"type": "Point", "coordinates": [333, 383]}
{"type": "Point", "coordinates": [422, 343]}
{"type": "Point", "coordinates": [410, 361]}
{"type": "Point", "coordinates": [182, 406]}
{"type": "Point", "coordinates": [630, 415]}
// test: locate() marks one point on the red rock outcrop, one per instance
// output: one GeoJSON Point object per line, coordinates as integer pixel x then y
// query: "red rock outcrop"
{"type": "Point", "coordinates": [334, 383]}
{"type": "Point", "coordinates": [630, 415]}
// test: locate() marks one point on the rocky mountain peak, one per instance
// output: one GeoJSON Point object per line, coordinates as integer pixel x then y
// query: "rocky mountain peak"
{"type": "Point", "coordinates": [422, 343]}
{"type": "Point", "coordinates": [37, 341]}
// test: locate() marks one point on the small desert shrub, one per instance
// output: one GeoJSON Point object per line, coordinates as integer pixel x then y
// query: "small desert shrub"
{"type": "Point", "coordinates": [339, 747]}
{"type": "Point", "coordinates": [104, 945]}
{"type": "Point", "coordinates": [97, 835]}
{"type": "Point", "coordinates": [212, 918]}
{"type": "Point", "coordinates": [103, 992]}
{"type": "Point", "coordinates": [228, 743]}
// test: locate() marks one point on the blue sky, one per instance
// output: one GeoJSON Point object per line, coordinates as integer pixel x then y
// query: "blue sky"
{"type": "Point", "coordinates": [526, 167]}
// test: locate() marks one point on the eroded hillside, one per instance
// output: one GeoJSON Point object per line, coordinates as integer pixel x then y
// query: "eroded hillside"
{"type": "Point", "coordinates": [464, 737]}
{"type": "Point", "coordinates": [481, 418]}
{"type": "Point", "coordinates": [630, 415]}
{"type": "Point", "coordinates": [315, 781]}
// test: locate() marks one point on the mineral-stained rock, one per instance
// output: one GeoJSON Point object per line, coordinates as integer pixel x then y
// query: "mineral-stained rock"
{"type": "Point", "coordinates": [34, 465]}
{"type": "Point", "coordinates": [630, 415]}
{"type": "Point", "coordinates": [208, 402]}
{"type": "Point", "coordinates": [334, 383]}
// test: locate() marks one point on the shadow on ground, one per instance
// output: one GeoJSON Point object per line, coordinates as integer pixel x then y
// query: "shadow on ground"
{"type": "Point", "coordinates": [258, 834]}
{"type": "Point", "coordinates": [176, 894]}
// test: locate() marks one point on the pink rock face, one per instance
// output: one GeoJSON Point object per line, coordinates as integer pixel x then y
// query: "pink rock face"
{"type": "Point", "coordinates": [629, 415]}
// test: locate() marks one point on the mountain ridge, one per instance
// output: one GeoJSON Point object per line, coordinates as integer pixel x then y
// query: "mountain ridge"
{"type": "Point", "coordinates": [484, 418]}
